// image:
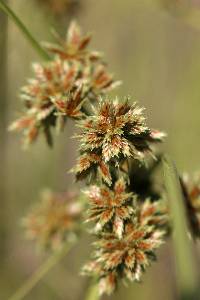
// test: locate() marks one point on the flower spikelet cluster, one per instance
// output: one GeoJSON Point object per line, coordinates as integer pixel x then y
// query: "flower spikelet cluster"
{"type": "Point", "coordinates": [52, 80]}
{"type": "Point", "coordinates": [191, 190]}
{"type": "Point", "coordinates": [153, 213]}
{"type": "Point", "coordinates": [114, 136]}
{"type": "Point", "coordinates": [125, 258]}
{"type": "Point", "coordinates": [54, 220]}
{"type": "Point", "coordinates": [74, 47]}
{"type": "Point", "coordinates": [60, 87]}
{"type": "Point", "coordinates": [110, 207]}
{"type": "Point", "coordinates": [116, 131]}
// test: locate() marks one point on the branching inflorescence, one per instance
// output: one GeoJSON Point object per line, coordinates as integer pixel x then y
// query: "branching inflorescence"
{"type": "Point", "coordinates": [61, 86]}
{"type": "Point", "coordinates": [113, 136]}
{"type": "Point", "coordinates": [128, 231]}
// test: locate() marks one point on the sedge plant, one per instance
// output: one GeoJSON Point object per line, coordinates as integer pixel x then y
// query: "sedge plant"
{"type": "Point", "coordinates": [117, 156]}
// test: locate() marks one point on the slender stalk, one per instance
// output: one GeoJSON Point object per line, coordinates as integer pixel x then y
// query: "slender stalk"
{"type": "Point", "coordinates": [8, 11]}
{"type": "Point", "coordinates": [25, 289]}
{"type": "Point", "coordinates": [185, 270]}
{"type": "Point", "coordinates": [3, 144]}
{"type": "Point", "coordinates": [92, 293]}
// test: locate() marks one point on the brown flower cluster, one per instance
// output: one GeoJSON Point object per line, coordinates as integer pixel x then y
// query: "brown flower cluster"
{"type": "Point", "coordinates": [191, 190]}
{"type": "Point", "coordinates": [123, 258]}
{"type": "Point", "coordinates": [129, 225]}
{"type": "Point", "coordinates": [116, 131]}
{"type": "Point", "coordinates": [74, 47]}
{"type": "Point", "coordinates": [61, 86]}
{"type": "Point", "coordinates": [131, 219]}
{"type": "Point", "coordinates": [129, 228]}
{"type": "Point", "coordinates": [54, 220]}
{"type": "Point", "coordinates": [110, 207]}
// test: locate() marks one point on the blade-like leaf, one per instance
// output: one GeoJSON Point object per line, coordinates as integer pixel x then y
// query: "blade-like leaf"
{"type": "Point", "coordinates": [185, 270]}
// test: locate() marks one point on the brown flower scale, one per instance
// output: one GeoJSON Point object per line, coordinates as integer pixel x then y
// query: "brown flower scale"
{"type": "Point", "coordinates": [92, 165]}
{"type": "Point", "coordinates": [54, 220]}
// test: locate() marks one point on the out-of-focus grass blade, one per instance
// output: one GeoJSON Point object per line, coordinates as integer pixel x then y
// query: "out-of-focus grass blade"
{"type": "Point", "coordinates": [42, 271]}
{"type": "Point", "coordinates": [186, 272]}
{"type": "Point", "coordinates": [92, 293]}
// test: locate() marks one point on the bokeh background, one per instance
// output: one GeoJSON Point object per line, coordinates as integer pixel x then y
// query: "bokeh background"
{"type": "Point", "coordinates": [154, 47]}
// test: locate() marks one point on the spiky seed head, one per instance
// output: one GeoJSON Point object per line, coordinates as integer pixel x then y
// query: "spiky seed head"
{"type": "Point", "coordinates": [55, 79]}
{"type": "Point", "coordinates": [112, 207]}
{"type": "Point", "coordinates": [115, 132]}
{"type": "Point", "coordinates": [126, 258]}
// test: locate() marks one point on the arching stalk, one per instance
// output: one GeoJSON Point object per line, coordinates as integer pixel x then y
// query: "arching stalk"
{"type": "Point", "coordinates": [8, 11]}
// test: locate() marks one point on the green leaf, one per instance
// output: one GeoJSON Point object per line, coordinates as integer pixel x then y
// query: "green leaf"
{"type": "Point", "coordinates": [185, 270]}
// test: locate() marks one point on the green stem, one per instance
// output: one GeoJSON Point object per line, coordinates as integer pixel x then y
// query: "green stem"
{"type": "Point", "coordinates": [3, 141]}
{"type": "Point", "coordinates": [41, 272]}
{"type": "Point", "coordinates": [7, 10]}
{"type": "Point", "coordinates": [185, 270]}
{"type": "Point", "coordinates": [92, 293]}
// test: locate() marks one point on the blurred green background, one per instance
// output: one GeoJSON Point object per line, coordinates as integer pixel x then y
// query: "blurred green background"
{"type": "Point", "coordinates": [154, 47]}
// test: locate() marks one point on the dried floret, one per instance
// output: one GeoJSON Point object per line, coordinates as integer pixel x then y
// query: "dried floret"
{"type": "Point", "coordinates": [102, 81]}
{"type": "Point", "coordinates": [91, 165]}
{"type": "Point", "coordinates": [71, 104]}
{"type": "Point", "coordinates": [75, 45]}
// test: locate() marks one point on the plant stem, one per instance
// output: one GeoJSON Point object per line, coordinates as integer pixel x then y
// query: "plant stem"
{"type": "Point", "coordinates": [3, 140]}
{"type": "Point", "coordinates": [8, 11]}
{"type": "Point", "coordinates": [92, 293]}
{"type": "Point", "coordinates": [185, 270]}
{"type": "Point", "coordinates": [41, 272]}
